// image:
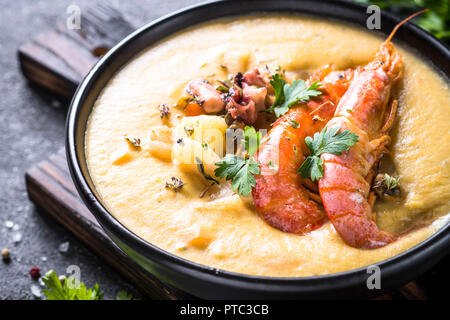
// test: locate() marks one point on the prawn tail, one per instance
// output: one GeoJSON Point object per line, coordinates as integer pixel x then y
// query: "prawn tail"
{"type": "Point", "coordinates": [365, 236]}
{"type": "Point", "coordinates": [349, 209]}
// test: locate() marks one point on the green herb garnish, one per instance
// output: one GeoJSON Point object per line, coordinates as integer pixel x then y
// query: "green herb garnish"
{"type": "Point", "coordinates": [201, 169]}
{"type": "Point", "coordinates": [176, 184]}
{"type": "Point", "coordinates": [435, 21]}
{"type": "Point", "coordinates": [278, 84]}
{"type": "Point", "coordinates": [327, 141]}
{"type": "Point", "coordinates": [272, 166]}
{"type": "Point", "coordinates": [287, 95]}
{"type": "Point", "coordinates": [135, 143]}
{"type": "Point", "coordinates": [123, 295]}
{"type": "Point", "coordinates": [294, 124]}
{"type": "Point", "coordinates": [252, 140]}
{"type": "Point", "coordinates": [69, 290]}
{"type": "Point", "coordinates": [391, 182]}
{"type": "Point", "coordinates": [222, 89]}
{"type": "Point", "coordinates": [241, 171]}
{"type": "Point", "coordinates": [164, 110]}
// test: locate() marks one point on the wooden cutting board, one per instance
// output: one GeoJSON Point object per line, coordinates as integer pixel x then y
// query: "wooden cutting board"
{"type": "Point", "coordinates": [50, 187]}
{"type": "Point", "coordinates": [57, 61]}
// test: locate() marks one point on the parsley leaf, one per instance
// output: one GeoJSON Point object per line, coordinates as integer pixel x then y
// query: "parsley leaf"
{"type": "Point", "coordinates": [123, 295]}
{"type": "Point", "coordinates": [252, 140]}
{"type": "Point", "coordinates": [312, 166]}
{"type": "Point", "coordinates": [229, 166]}
{"type": "Point", "coordinates": [241, 170]}
{"type": "Point", "coordinates": [330, 141]}
{"type": "Point", "coordinates": [327, 141]}
{"type": "Point", "coordinates": [244, 180]}
{"type": "Point", "coordinates": [83, 293]}
{"type": "Point", "coordinates": [287, 95]}
{"type": "Point", "coordinates": [69, 290]}
{"type": "Point", "coordinates": [435, 21]}
{"type": "Point", "coordinates": [298, 91]}
{"type": "Point", "coordinates": [56, 291]}
{"type": "Point", "coordinates": [278, 85]}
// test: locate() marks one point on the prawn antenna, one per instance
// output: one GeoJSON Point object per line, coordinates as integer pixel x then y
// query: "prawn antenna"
{"type": "Point", "coordinates": [403, 22]}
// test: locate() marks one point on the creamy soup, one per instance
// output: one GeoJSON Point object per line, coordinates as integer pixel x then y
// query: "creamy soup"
{"type": "Point", "coordinates": [222, 229]}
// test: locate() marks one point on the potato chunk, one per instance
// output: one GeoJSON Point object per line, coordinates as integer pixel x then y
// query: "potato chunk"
{"type": "Point", "coordinates": [121, 157]}
{"type": "Point", "coordinates": [160, 150]}
{"type": "Point", "coordinates": [159, 143]}
{"type": "Point", "coordinates": [161, 133]}
{"type": "Point", "coordinates": [188, 154]}
{"type": "Point", "coordinates": [207, 130]}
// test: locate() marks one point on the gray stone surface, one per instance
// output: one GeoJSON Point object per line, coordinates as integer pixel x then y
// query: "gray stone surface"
{"type": "Point", "coordinates": [31, 128]}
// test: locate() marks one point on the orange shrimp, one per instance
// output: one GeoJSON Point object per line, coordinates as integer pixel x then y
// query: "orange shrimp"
{"type": "Point", "coordinates": [365, 110]}
{"type": "Point", "coordinates": [280, 197]}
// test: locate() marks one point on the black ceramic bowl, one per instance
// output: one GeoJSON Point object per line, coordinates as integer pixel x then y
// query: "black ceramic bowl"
{"type": "Point", "coordinates": [206, 282]}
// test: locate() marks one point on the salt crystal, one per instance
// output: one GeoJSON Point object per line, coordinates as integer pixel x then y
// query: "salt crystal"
{"type": "Point", "coordinates": [36, 291]}
{"type": "Point", "coordinates": [9, 224]}
{"type": "Point", "coordinates": [17, 237]}
{"type": "Point", "coordinates": [16, 227]}
{"type": "Point", "coordinates": [44, 259]}
{"type": "Point", "coordinates": [64, 247]}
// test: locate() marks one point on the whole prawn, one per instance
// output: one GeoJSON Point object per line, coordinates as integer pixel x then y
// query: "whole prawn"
{"type": "Point", "coordinates": [280, 197]}
{"type": "Point", "coordinates": [368, 110]}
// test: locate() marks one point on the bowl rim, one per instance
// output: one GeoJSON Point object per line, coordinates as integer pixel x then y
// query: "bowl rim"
{"type": "Point", "coordinates": [439, 241]}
